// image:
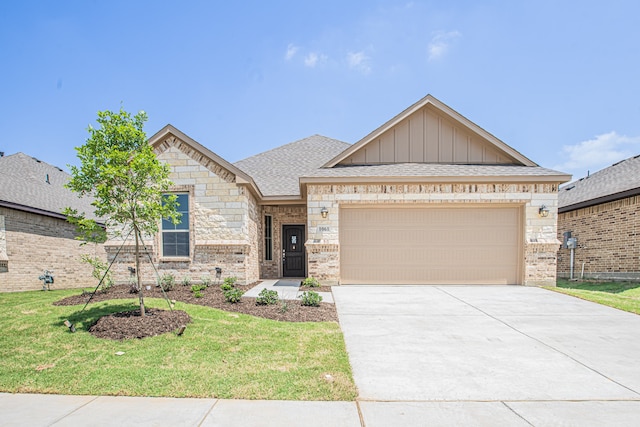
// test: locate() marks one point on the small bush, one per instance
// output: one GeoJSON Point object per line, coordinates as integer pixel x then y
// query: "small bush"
{"type": "Point", "coordinates": [206, 279]}
{"type": "Point", "coordinates": [186, 281]}
{"type": "Point", "coordinates": [230, 281]}
{"type": "Point", "coordinates": [197, 294]}
{"type": "Point", "coordinates": [197, 288]}
{"type": "Point", "coordinates": [284, 306]}
{"type": "Point", "coordinates": [310, 282]}
{"type": "Point", "coordinates": [311, 299]}
{"type": "Point", "coordinates": [267, 297]}
{"type": "Point", "coordinates": [233, 295]}
{"type": "Point", "coordinates": [226, 287]}
{"type": "Point", "coordinates": [167, 281]}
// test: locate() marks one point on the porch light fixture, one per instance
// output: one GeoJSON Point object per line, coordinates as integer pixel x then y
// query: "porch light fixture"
{"type": "Point", "coordinates": [543, 211]}
{"type": "Point", "coordinates": [324, 212]}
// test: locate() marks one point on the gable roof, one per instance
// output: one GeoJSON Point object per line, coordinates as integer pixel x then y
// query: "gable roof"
{"type": "Point", "coordinates": [277, 172]}
{"type": "Point", "coordinates": [169, 130]}
{"type": "Point", "coordinates": [619, 180]}
{"type": "Point", "coordinates": [31, 185]}
{"type": "Point", "coordinates": [482, 140]}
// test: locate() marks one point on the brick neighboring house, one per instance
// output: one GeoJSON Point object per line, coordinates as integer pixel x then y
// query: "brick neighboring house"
{"type": "Point", "coordinates": [602, 211]}
{"type": "Point", "coordinates": [427, 198]}
{"type": "Point", "coordinates": [34, 235]}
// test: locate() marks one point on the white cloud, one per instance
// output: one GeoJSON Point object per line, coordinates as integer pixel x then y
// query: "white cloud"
{"type": "Point", "coordinates": [291, 51]}
{"type": "Point", "coordinates": [312, 59]}
{"type": "Point", "coordinates": [359, 61]}
{"type": "Point", "coordinates": [441, 42]}
{"type": "Point", "coordinates": [597, 153]}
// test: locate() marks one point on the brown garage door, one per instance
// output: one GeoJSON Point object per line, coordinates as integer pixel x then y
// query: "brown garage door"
{"type": "Point", "coordinates": [430, 245]}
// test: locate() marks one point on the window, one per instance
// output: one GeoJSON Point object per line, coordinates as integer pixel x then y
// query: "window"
{"type": "Point", "coordinates": [268, 240]}
{"type": "Point", "coordinates": [175, 237]}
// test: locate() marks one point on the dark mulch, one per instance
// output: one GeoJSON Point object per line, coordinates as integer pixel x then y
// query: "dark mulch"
{"type": "Point", "coordinates": [288, 311]}
{"type": "Point", "coordinates": [129, 324]}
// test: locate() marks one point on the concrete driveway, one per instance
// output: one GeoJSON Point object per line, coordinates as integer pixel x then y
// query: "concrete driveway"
{"type": "Point", "coordinates": [508, 354]}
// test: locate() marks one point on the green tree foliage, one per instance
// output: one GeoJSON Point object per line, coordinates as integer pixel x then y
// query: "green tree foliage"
{"type": "Point", "coordinates": [127, 181]}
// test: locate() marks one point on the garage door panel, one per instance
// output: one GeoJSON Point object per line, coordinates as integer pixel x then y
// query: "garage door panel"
{"type": "Point", "coordinates": [430, 245]}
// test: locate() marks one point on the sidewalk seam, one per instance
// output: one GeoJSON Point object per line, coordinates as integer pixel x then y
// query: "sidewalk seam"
{"type": "Point", "coordinates": [74, 410]}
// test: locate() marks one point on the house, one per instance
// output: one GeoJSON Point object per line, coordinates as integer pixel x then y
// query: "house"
{"type": "Point", "coordinates": [429, 197]}
{"type": "Point", "coordinates": [602, 212]}
{"type": "Point", "coordinates": [34, 234]}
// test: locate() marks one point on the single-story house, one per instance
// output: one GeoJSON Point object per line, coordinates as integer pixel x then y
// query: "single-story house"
{"type": "Point", "coordinates": [429, 197]}
{"type": "Point", "coordinates": [602, 212]}
{"type": "Point", "coordinates": [34, 234]}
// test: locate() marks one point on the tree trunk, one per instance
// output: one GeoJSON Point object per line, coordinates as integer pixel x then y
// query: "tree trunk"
{"type": "Point", "coordinates": [140, 288]}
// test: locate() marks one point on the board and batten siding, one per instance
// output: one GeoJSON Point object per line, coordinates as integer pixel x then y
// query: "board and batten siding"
{"type": "Point", "coordinates": [428, 137]}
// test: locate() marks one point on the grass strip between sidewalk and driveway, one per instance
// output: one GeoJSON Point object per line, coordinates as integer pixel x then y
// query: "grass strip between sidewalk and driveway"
{"type": "Point", "coordinates": [621, 295]}
{"type": "Point", "coordinates": [221, 354]}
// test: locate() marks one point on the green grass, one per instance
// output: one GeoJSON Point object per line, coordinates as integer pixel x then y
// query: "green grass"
{"type": "Point", "coordinates": [621, 295]}
{"type": "Point", "coordinates": [221, 354]}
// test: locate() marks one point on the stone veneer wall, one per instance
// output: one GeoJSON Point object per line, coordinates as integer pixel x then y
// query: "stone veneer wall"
{"type": "Point", "coordinates": [608, 243]}
{"type": "Point", "coordinates": [31, 243]}
{"type": "Point", "coordinates": [280, 215]}
{"type": "Point", "coordinates": [224, 220]}
{"type": "Point", "coordinates": [540, 241]}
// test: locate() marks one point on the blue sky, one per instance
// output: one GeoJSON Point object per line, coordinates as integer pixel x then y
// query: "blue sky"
{"type": "Point", "coordinates": [556, 80]}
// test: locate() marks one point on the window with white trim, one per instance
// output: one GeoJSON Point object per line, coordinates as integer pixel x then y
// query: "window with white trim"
{"type": "Point", "coordinates": [175, 237]}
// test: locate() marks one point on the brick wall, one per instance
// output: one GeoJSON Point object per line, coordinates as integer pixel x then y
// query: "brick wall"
{"type": "Point", "coordinates": [539, 234]}
{"type": "Point", "coordinates": [608, 240]}
{"type": "Point", "coordinates": [280, 215]}
{"type": "Point", "coordinates": [31, 243]}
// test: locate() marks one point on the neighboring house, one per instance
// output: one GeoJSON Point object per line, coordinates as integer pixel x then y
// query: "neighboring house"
{"type": "Point", "coordinates": [602, 211]}
{"type": "Point", "coordinates": [34, 234]}
{"type": "Point", "coordinates": [427, 198]}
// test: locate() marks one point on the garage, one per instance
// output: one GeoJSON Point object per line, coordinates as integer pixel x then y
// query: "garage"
{"type": "Point", "coordinates": [471, 244]}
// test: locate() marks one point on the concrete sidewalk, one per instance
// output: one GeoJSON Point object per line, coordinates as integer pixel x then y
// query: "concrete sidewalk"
{"type": "Point", "coordinates": [35, 410]}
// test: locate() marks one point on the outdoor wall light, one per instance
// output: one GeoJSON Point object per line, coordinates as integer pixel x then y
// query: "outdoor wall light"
{"type": "Point", "coordinates": [324, 212]}
{"type": "Point", "coordinates": [543, 211]}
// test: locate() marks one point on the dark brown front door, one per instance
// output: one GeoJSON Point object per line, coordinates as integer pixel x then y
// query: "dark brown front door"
{"type": "Point", "coordinates": [293, 251]}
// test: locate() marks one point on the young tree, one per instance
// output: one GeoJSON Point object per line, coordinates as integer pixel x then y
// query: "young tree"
{"type": "Point", "coordinates": [128, 183]}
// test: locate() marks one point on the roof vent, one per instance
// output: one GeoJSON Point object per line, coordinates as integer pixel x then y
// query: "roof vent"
{"type": "Point", "coordinates": [1, 153]}
{"type": "Point", "coordinates": [47, 179]}
{"type": "Point", "coordinates": [60, 169]}
{"type": "Point", "coordinates": [39, 161]}
{"type": "Point", "coordinates": [569, 188]}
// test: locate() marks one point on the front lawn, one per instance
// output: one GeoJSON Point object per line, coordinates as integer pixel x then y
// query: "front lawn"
{"type": "Point", "coordinates": [621, 295]}
{"type": "Point", "coordinates": [221, 354]}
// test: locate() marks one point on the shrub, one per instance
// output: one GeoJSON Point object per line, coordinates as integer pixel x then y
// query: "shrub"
{"type": "Point", "coordinates": [197, 294]}
{"type": "Point", "coordinates": [197, 288]}
{"type": "Point", "coordinates": [267, 297]}
{"type": "Point", "coordinates": [186, 281]}
{"type": "Point", "coordinates": [311, 299]}
{"type": "Point", "coordinates": [226, 287]}
{"type": "Point", "coordinates": [284, 306]}
{"type": "Point", "coordinates": [310, 282]}
{"type": "Point", "coordinates": [99, 269]}
{"type": "Point", "coordinates": [206, 279]}
{"type": "Point", "coordinates": [233, 295]}
{"type": "Point", "coordinates": [230, 281]}
{"type": "Point", "coordinates": [167, 281]}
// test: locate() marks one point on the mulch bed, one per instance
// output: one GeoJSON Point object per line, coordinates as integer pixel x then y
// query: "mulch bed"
{"type": "Point", "coordinates": [129, 324]}
{"type": "Point", "coordinates": [287, 311]}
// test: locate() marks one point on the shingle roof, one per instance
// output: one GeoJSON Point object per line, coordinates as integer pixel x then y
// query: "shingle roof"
{"type": "Point", "coordinates": [23, 182]}
{"type": "Point", "coordinates": [436, 170]}
{"type": "Point", "coordinates": [610, 183]}
{"type": "Point", "coordinates": [276, 172]}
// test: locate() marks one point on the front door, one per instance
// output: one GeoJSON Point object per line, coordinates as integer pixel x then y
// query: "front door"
{"type": "Point", "coordinates": [293, 251]}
